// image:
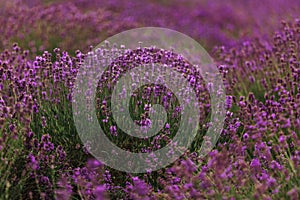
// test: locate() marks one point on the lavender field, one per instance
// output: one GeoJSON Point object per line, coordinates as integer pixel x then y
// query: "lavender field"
{"type": "Point", "coordinates": [255, 46]}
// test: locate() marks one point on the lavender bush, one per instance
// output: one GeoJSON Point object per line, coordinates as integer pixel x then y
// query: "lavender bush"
{"type": "Point", "coordinates": [257, 155]}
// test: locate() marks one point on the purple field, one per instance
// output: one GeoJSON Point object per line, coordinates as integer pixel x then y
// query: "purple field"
{"type": "Point", "coordinates": [255, 46]}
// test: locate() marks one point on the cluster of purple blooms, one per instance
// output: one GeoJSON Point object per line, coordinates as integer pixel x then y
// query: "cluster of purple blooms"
{"type": "Point", "coordinates": [257, 155]}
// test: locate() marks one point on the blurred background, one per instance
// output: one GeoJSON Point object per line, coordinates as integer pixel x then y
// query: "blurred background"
{"type": "Point", "coordinates": [77, 24]}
